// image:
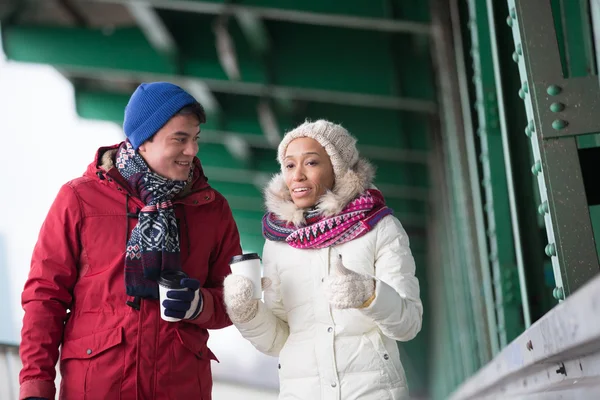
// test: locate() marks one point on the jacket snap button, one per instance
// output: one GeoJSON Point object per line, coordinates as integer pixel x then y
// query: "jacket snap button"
{"type": "Point", "coordinates": [195, 201]}
{"type": "Point", "coordinates": [278, 366]}
{"type": "Point", "coordinates": [386, 357]}
{"type": "Point", "coordinates": [206, 197]}
{"type": "Point", "coordinates": [88, 351]}
{"type": "Point", "coordinates": [110, 179]}
{"type": "Point", "coordinates": [119, 189]}
{"type": "Point", "coordinates": [330, 329]}
{"type": "Point", "coordinates": [333, 384]}
{"type": "Point", "coordinates": [322, 279]}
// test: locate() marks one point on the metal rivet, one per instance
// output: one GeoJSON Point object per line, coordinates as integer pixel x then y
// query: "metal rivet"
{"type": "Point", "coordinates": [519, 49]}
{"type": "Point", "coordinates": [529, 129]}
{"type": "Point", "coordinates": [515, 57]}
{"type": "Point", "coordinates": [521, 94]}
{"type": "Point", "coordinates": [278, 366]}
{"type": "Point", "coordinates": [322, 279]}
{"type": "Point", "coordinates": [333, 384]}
{"type": "Point", "coordinates": [119, 189]}
{"type": "Point", "coordinates": [207, 197]}
{"type": "Point", "coordinates": [513, 13]}
{"type": "Point", "coordinates": [88, 351]}
{"type": "Point", "coordinates": [543, 208]}
{"type": "Point", "coordinates": [536, 168]}
{"type": "Point", "coordinates": [550, 250]}
{"type": "Point", "coordinates": [330, 329]}
{"type": "Point", "coordinates": [509, 21]}
{"type": "Point", "coordinates": [557, 107]}
{"type": "Point", "coordinates": [386, 357]}
{"type": "Point", "coordinates": [553, 90]}
{"type": "Point", "coordinates": [558, 293]}
{"type": "Point", "coordinates": [559, 124]}
{"type": "Point", "coordinates": [195, 201]}
{"type": "Point", "coordinates": [525, 87]}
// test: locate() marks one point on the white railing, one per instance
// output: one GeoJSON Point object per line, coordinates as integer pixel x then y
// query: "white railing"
{"type": "Point", "coordinates": [10, 365]}
{"type": "Point", "coordinates": [558, 357]}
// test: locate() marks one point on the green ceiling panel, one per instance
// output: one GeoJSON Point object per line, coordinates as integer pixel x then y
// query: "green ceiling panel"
{"type": "Point", "coordinates": [332, 58]}
{"type": "Point", "coordinates": [372, 126]}
{"type": "Point", "coordinates": [360, 8]}
{"type": "Point", "coordinates": [123, 49]}
{"type": "Point", "coordinates": [317, 58]}
{"type": "Point", "coordinates": [196, 42]}
{"type": "Point", "coordinates": [406, 174]}
{"type": "Point", "coordinates": [100, 105]}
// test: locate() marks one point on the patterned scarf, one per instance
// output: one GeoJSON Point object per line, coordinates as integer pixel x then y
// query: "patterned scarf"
{"type": "Point", "coordinates": [356, 219]}
{"type": "Point", "coordinates": [154, 242]}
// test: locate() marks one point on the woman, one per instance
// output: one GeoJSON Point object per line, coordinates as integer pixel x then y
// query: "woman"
{"type": "Point", "coordinates": [341, 287]}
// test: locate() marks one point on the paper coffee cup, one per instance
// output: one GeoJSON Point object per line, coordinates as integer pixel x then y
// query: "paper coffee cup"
{"type": "Point", "coordinates": [248, 265]}
{"type": "Point", "coordinates": [169, 280]}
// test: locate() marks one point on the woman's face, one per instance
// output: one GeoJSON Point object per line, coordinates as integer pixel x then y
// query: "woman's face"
{"type": "Point", "coordinates": [307, 171]}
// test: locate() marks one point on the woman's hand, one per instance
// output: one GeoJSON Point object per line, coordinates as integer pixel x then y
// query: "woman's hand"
{"type": "Point", "coordinates": [237, 294]}
{"type": "Point", "coordinates": [348, 289]}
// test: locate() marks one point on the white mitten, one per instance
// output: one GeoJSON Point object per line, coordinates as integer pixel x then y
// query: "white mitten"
{"type": "Point", "coordinates": [237, 294]}
{"type": "Point", "coordinates": [348, 289]}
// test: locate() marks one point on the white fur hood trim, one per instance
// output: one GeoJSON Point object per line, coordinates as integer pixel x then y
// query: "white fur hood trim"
{"type": "Point", "coordinates": [355, 181]}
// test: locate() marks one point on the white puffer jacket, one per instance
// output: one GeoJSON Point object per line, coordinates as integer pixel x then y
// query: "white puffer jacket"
{"type": "Point", "coordinates": [331, 354]}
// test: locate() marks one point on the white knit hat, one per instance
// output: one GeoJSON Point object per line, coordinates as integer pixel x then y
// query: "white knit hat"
{"type": "Point", "coordinates": [337, 141]}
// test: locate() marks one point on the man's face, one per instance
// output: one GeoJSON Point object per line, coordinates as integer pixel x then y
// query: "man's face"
{"type": "Point", "coordinates": [171, 151]}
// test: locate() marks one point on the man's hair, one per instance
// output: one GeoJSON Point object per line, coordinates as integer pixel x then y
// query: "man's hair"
{"type": "Point", "coordinates": [195, 109]}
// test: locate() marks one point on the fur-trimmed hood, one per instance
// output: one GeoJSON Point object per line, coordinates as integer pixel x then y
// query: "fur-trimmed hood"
{"type": "Point", "coordinates": [355, 181]}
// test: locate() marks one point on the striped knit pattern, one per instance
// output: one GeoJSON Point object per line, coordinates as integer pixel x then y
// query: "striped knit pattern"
{"type": "Point", "coordinates": [355, 220]}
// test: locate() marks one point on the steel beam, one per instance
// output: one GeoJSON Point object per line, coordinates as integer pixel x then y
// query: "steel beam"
{"type": "Point", "coordinates": [287, 15]}
{"type": "Point", "coordinates": [557, 107]}
{"type": "Point", "coordinates": [126, 53]}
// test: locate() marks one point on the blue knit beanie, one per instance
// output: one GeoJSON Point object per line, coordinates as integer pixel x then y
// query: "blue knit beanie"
{"type": "Point", "coordinates": [150, 107]}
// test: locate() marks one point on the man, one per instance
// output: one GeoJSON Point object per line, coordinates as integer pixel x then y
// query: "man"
{"type": "Point", "coordinates": [142, 207]}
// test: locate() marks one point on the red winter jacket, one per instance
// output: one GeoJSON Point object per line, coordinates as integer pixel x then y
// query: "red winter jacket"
{"type": "Point", "coordinates": [75, 295]}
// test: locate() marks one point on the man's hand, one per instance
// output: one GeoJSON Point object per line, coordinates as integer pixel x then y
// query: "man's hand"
{"type": "Point", "coordinates": [184, 304]}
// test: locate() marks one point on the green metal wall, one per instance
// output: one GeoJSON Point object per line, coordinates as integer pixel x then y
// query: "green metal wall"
{"type": "Point", "coordinates": [526, 74]}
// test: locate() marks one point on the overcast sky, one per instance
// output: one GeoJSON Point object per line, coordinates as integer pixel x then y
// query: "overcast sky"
{"type": "Point", "coordinates": [44, 145]}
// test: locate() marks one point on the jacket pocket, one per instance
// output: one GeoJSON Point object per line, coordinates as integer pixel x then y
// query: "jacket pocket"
{"type": "Point", "coordinates": [195, 345]}
{"type": "Point", "coordinates": [387, 359]}
{"type": "Point", "coordinates": [190, 370]}
{"type": "Point", "coordinates": [91, 367]}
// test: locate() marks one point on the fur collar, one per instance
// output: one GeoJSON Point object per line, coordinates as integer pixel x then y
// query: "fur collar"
{"type": "Point", "coordinates": [107, 160]}
{"type": "Point", "coordinates": [355, 181]}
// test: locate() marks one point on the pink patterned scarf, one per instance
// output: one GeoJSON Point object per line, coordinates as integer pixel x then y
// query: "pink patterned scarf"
{"type": "Point", "coordinates": [356, 219]}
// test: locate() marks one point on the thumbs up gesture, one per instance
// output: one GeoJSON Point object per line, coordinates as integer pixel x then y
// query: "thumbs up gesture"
{"type": "Point", "coordinates": [347, 289]}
